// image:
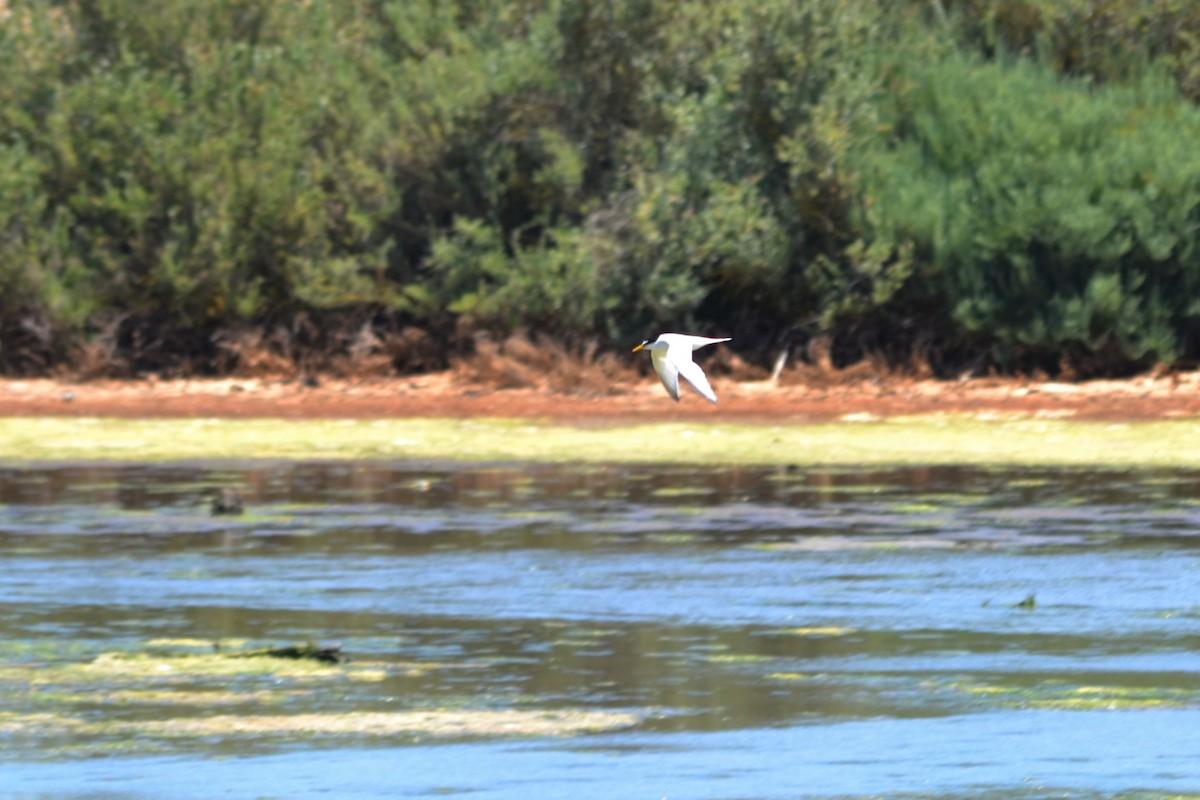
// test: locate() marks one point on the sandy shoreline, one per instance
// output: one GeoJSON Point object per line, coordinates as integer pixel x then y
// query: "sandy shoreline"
{"type": "Point", "coordinates": [447, 396]}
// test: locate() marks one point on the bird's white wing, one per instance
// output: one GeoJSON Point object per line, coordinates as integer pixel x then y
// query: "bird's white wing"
{"type": "Point", "coordinates": [695, 378]}
{"type": "Point", "coordinates": [668, 373]}
{"type": "Point", "coordinates": [686, 342]}
{"type": "Point", "coordinates": [680, 355]}
{"type": "Point", "coordinates": [703, 341]}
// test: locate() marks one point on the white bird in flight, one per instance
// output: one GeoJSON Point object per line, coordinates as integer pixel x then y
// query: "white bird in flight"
{"type": "Point", "coordinates": [671, 354]}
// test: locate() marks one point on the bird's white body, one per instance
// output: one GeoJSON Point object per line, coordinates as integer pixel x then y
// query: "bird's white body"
{"type": "Point", "coordinates": [671, 354]}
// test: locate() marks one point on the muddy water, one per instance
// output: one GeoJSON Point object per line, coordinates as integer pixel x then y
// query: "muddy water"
{"type": "Point", "coordinates": [528, 631]}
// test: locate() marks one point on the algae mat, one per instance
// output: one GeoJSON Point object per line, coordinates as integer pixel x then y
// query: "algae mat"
{"type": "Point", "coordinates": [943, 439]}
{"type": "Point", "coordinates": [131, 702]}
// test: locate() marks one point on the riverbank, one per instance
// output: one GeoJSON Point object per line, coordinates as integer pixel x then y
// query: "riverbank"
{"type": "Point", "coordinates": [817, 398]}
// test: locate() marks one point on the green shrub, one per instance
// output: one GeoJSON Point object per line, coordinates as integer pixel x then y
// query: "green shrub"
{"type": "Point", "coordinates": [1047, 215]}
{"type": "Point", "coordinates": [1107, 40]}
{"type": "Point", "coordinates": [773, 171]}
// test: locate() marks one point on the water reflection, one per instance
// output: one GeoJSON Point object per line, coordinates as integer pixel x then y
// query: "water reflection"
{"type": "Point", "coordinates": [707, 600]}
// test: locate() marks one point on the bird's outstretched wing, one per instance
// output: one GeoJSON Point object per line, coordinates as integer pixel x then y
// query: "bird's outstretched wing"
{"type": "Point", "coordinates": [697, 342]}
{"type": "Point", "coordinates": [667, 373]}
{"type": "Point", "coordinates": [695, 378]}
{"type": "Point", "coordinates": [679, 354]}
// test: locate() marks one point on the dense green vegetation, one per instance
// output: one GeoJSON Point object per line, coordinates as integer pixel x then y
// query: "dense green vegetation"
{"type": "Point", "coordinates": [988, 184]}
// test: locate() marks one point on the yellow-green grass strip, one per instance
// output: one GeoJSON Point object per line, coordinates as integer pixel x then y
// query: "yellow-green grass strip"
{"type": "Point", "coordinates": [938, 439]}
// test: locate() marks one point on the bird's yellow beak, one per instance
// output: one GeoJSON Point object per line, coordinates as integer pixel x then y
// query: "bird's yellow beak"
{"type": "Point", "coordinates": [641, 346]}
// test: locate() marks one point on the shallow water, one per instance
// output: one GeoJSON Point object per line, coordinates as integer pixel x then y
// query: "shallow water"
{"type": "Point", "coordinates": [757, 632]}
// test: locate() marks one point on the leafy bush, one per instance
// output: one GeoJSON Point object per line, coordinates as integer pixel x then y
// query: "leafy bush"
{"type": "Point", "coordinates": [1106, 40]}
{"type": "Point", "coordinates": [1047, 216]}
{"type": "Point", "coordinates": [179, 175]}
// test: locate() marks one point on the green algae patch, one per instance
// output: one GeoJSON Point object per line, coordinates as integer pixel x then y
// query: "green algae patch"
{"type": "Point", "coordinates": [819, 630]}
{"type": "Point", "coordinates": [432, 723]}
{"type": "Point", "coordinates": [668, 492]}
{"type": "Point", "coordinates": [1112, 698]}
{"type": "Point", "coordinates": [440, 723]}
{"type": "Point", "coordinates": [790, 676]}
{"type": "Point", "coordinates": [956, 439]}
{"type": "Point", "coordinates": [195, 645]}
{"type": "Point", "coordinates": [1055, 697]}
{"type": "Point", "coordinates": [738, 658]}
{"type": "Point", "coordinates": [161, 702]}
{"type": "Point", "coordinates": [143, 666]}
{"type": "Point", "coordinates": [131, 672]}
{"type": "Point", "coordinates": [834, 543]}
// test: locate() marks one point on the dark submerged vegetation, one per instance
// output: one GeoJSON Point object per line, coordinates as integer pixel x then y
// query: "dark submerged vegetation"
{"type": "Point", "coordinates": [938, 186]}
